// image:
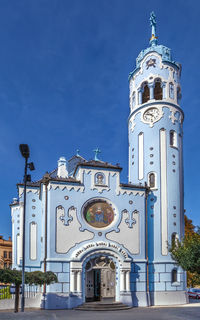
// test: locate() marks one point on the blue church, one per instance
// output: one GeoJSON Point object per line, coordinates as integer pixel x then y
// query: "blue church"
{"type": "Point", "coordinates": [107, 240]}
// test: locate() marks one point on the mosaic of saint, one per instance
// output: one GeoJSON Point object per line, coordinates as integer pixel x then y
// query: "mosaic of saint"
{"type": "Point", "coordinates": [99, 214]}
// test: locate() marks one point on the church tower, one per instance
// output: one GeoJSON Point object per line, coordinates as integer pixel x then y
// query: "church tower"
{"type": "Point", "coordinates": [156, 158]}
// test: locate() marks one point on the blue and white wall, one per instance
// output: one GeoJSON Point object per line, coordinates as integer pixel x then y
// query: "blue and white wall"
{"type": "Point", "coordinates": [148, 210]}
{"type": "Point", "coordinates": [155, 157]}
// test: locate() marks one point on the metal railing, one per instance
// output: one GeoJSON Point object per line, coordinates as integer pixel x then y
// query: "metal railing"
{"type": "Point", "coordinates": [8, 291]}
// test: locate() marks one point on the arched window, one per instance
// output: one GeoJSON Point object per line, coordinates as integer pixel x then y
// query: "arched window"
{"type": "Point", "coordinates": [151, 178]}
{"type": "Point", "coordinates": [174, 238]}
{"type": "Point", "coordinates": [152, 181]}
{"type": "Point", "coordinates": [173, 138]}
{"type": "Point", "coordinates": [178, 95]}
{"type": "Point", "coordinates": [145, 93]}
{"type": "Point", "coordinates": [174, 275]}
{"type": "Point", "coordinates": [171, 90]}
{"type": "Point", "coordinates": [158, 95]}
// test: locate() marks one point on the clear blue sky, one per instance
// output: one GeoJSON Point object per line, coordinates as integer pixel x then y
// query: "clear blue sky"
{"type": "Point", "coordinates": [64, 69]}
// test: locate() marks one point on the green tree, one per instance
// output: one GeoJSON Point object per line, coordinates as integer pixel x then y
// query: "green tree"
{"type": "Point", "coordinates": [15, 277]}
{"type": "Point", "coordinates": [193, 279]}
{"type": "Point", "coordinates": [187, 253]}
{"type": "Point", "coordinates": [189, 227]}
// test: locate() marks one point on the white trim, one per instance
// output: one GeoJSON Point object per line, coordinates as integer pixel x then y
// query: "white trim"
{"type": "Point", "coordinates": [163, 191]}
{"type": "Point", "coordinates": [18, 249]}
{"type": "Point", "coordinates": [33, 241]}
{"type": "Point", "coordinates": [141, 156]}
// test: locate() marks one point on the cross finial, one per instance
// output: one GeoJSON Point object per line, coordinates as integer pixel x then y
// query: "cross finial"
{"type": "Point", "coordinates": [96, 152]}
{"type": "Point", "coordinates": [153, 39]}
{"type": "Point", "coordinates": [77, 152]}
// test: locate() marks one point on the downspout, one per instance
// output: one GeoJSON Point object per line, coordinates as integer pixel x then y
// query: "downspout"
{"type": "Point", "coordinates": [45, 182]}
{"type": "Point", "coordinates": [146, 244]}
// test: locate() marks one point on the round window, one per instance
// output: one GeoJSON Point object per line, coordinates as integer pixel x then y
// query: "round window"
{"type": "Point", "coordinates": [98, 214]}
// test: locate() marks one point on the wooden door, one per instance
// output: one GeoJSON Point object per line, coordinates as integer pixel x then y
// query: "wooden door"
{"type": "Point", "coordinates": [97, 284]}
{"type": "Point", "coordinates": [107, 283]}
{"type": "Point", "coordinates": [89, 286]}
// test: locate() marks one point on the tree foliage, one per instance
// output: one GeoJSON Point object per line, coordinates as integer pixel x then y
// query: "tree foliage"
{"type": "Point", "coordinates": [35, 277]}
{"type": "Point", "coordinates": [189, 227]}
{"type": "Point", "coordinates": [187, 252]}
{"type": "Point", "coordinates": [40, 278]}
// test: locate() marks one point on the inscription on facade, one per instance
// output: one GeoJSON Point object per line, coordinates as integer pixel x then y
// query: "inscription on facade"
{"type": "Point", "coordinates": [101, 245]}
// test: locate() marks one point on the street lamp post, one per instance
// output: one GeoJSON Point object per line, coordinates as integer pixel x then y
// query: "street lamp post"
{"type": "Point", "coordinates": [24, 149]}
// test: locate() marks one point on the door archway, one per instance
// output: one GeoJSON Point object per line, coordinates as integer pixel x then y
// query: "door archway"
{"type": "Point", "coordinates": [100, 279]}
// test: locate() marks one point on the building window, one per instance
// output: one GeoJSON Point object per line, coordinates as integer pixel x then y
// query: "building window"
{"type": "Point", "coordinates": [145, 93]}
{"type": "Point", "coordinates": [174, 238]}
{"type": "Point", "coordinates": [5, 254]}
{"type": "Point", "coordinates": [174, 275]}
{"type": "Point", "coordinates": [173, 138]}
{"type": "Point", "coordinates": [158, 95]}
{"type": "Point", "coordinates": [152, 180]}
{"type": "Point", "coordinates": [5, 265]}
{"type": "Point", "coordinates": [178, 95]}
{"type": "Point", "coordinates": [10, 255]}
{"type": "Point", "coordinates": [171, 90]}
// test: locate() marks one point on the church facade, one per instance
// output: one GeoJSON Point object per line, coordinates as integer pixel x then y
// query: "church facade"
{"type": "Point", "coordinates": [108, 240]}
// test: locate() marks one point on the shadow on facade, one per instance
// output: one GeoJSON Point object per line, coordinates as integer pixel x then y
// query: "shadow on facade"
{"type": "Point", "coordinates": [152, 199]}
{"type": "Point", "coordinates": [61, 301]}
{"type": "Point", "coordinates": [135, 269]}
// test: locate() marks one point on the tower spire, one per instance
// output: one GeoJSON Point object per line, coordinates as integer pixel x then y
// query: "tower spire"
{"type": "Point", "coordinates": [153, 40]}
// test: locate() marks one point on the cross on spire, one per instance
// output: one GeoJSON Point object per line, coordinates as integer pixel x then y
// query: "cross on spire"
{"type": "Point", "coordinates": [153, 40]}
{"type": "Point", "coordinates": [77, 152]}
{"type": "Point", "coordinates": [96, 152]}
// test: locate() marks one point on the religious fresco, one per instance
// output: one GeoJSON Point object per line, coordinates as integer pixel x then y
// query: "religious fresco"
{"type": "Point", "coordinates": [99, 214]}
{"type": "Point", "coordinates": [99, 179]}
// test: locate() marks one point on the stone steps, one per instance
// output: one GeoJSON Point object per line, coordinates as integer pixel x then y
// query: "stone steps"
{"type": "Point", "coordinates": [101, 306]}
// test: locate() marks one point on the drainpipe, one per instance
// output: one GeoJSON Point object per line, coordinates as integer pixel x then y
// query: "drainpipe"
{"type": "Point", "coordinates": [46, 178]}
{"type": "Point", "coordinates": [146, 242]}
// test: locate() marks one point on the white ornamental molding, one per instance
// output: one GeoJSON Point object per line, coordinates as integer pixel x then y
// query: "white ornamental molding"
{"type": "Point", "coordinates": [129, 192]}
{"type": "Point", "coordinates": [28, 190]}
{"type": "Point", "coordinates": [76, 188]}
{"type": "Point", "coordinates": [123, 191]}
{"type": "Point", "coordinates": [132, 124]}
{"type": "Point", "coordinates": [150, 55]}
{"type": "Point", "coordinates": [175, 115]}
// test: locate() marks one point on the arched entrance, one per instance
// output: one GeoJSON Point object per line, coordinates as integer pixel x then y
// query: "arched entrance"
{"type": "Point", "coordinates": [100, 279]}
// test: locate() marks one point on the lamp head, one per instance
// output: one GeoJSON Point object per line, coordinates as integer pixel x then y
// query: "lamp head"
{"type": "Point", "coordinates": [24, 149]}
{"type": "Point", "coordinates": [31, 166]}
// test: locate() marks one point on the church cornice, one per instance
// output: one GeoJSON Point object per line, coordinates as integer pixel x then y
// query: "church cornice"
{"type": "Point", "coordinates": [133, 186]}
{"type": "Point", "coordinates": [97, 164]}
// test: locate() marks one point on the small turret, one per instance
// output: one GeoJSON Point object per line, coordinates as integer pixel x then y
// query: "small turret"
{"type": "Point", "coordinates": [62, 168]}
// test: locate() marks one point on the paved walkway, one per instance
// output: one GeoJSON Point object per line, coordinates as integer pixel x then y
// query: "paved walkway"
{"type": "Point", "coordinates": [186, 312]}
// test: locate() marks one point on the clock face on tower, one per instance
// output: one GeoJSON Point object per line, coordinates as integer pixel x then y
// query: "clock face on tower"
{"type": "Point", "coordinates": [151, 115]}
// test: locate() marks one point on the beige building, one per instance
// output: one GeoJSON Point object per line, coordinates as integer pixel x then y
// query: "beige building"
{"type": "Point", "coordinates": [5, 253]}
